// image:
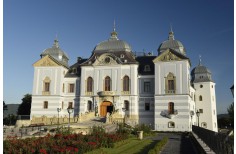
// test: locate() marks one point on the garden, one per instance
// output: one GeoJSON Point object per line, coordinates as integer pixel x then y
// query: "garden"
{"type": "Point", "coordinates": [69, 143]}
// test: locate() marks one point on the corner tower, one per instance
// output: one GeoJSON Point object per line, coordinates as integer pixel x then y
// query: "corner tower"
{"type": "Point", "coordinates": [205, 97]}
{"type": "Point", "coordinates": [173, 101]}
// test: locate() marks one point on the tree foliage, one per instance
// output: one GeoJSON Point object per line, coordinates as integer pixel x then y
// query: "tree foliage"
{"type": "Point", "coordinates": [230, 110]}
{"type": "Point", "coordinates": [25, 106]}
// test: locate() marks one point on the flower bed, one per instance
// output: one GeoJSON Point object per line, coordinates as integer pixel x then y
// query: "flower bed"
{"type": "Point", "coordinates": [63, 143]}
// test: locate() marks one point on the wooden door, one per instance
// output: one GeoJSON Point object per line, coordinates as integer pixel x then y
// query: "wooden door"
{"type": "Point", "coordinates": [103, 108]}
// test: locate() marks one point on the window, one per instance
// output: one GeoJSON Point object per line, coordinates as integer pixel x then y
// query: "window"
{"type": "Point", "coordinates": [204, 124]}
{"type": "Point", "coordinates": [47, 84]}
{"type": "Point", "coordinates": [45, 104]}
{"type": "Point", "coordinates": [171, 124]}
{"type": "Point", "coordinates": [200, 98]}
{"type": "Point", "coordinates": [74, 70]}
{"type": "Point", "coordinates": [62, 105]}
{"type": "Point", "coordinates": [107, 83]}
{"type": "Point", "coordinates": [126, 83]}
{"type": "Point", "coordinates": [201, 110]}
{"type": "Point", "coordinates": [147, 106]}
{"type": "Point", "coordinates": [70, 105]}
{"type": "Point", "coordinates": [201, 86]}
{"type": "Point", "coordinates": [122, 56]}
{"type": "Point", "coordinates": [171, 108]}
{"type": "Point", "coordinates": [147, 68]}
{"type": "Point", "coordinates": [89, 84]}
{"type": "Point", "coordinates": [71, 88]}
{"type": "Point", "coordinates": [90, 105]}
{"type": "Point", "coordinates": [63, 87]}
{"type": "Point", "coordinates": [170, 83]}
{"type": "Point", "coordinates": [126, 103]}
{"type": "Point", "coordinates": [147, 87]}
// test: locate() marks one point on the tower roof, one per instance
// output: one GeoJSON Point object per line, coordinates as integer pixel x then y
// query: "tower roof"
{"type": "Point", "coordinates": [172, 43]}
{"type": "Point", "coordinates": [56, 53]}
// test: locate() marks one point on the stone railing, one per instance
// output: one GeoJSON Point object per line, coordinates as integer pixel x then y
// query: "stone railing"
{"type": "Point", "coordinates": [219, 143]}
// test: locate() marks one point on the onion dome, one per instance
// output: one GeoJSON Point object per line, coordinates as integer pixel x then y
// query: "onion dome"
{"type": "Point", "coordinates": [112, 44]}
{"type": "Point", "coordinates": [56, 53]}
{"type": "Point", "coordinates": [201, 74]}
{"type": "Point", "coordinates": [171, 43]}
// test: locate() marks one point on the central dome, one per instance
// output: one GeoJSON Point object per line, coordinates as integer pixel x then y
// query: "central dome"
{"type": "Point", "coordinates": [112, 44]}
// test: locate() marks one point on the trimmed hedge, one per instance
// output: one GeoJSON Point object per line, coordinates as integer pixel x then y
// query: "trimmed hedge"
{"type": "Point", "coordinates": [158, 146]}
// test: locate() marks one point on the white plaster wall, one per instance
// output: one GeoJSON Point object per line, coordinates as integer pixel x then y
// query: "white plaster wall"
{"type": "Point", "coordinates": [182, 103]}
{"type": "Point", "coordinates": [208, 104]}
{"type": "Point", "coordinates": [179, 68]}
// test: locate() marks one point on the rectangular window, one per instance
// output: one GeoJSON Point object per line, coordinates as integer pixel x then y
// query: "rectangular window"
{"type": "Point", "coordinates": [171, 85]}
{"type": "Point", "coordinates": [71, 88]}
{"type": "Point", "coordinates": [70, 105]}
{"type": "Point", "coordinates": [45, 104]}
{"type": "Point", "coordinates": [63, 87]}
{"type": "Point", "coordinates": [147, 87]}
{"type": "Point", "coordinates": [46, 86]}
{"type": "Point", "coordinates": [201, 110]}
{"type": "Point", "coordinates": [147, 106]}
{"type": "Point", "coordinates": [62, 105]}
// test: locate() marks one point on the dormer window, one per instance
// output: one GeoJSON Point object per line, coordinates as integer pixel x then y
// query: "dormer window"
{"type": "Point", "coordinates": [122, 56]}
{"type": "Point", "coordinates": [74, 70]}
{"type": "Point", "coordinates": [147, 68]}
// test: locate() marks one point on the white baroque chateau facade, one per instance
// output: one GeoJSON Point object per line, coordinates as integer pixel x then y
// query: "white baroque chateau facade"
{"type": "Point", "coordinates": [160, 91]}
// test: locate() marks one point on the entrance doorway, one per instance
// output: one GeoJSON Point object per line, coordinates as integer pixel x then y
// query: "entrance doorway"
{"type": "Point", "coordinates": [105, 107]}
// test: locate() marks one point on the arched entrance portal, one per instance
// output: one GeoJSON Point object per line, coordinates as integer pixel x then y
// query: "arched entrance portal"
{"type": "Point", "coordinates": [105, 107]}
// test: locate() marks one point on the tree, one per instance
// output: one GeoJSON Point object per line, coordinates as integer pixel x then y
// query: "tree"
{"type": "Point", "coordinates": [25, 106]}
{"type": "Point", "coordinates": [230, 110]}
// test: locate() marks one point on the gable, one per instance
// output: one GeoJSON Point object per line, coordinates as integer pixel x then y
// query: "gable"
{"type": "Point", "coordinates": [170, 55]}
{"type": "Point", "coordinates": [46, 61]}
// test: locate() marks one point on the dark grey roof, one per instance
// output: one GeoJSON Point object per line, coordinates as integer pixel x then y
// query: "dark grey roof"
{"type": "Point", "coordinates": [173, 44]}
{"type": "Point", "coordinates": [201, 74]}
{"type": "Point", "coordinates": [77, 67]}
{"type": "Point", "coordinates": [145, 61]}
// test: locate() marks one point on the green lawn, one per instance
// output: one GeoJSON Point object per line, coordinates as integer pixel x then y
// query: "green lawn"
{"type": "Point", "coordinates": [129, 146]}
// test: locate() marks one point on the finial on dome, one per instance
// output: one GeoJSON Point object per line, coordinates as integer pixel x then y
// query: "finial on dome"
{"type": "Point", "coordinates": [56, 44]}
{"type": "Point", "coordinates": [114, 33]}
{"type": "Point", "coordinates": [171, 33]}
{"type": "Point", "coordinates": [200, 60]}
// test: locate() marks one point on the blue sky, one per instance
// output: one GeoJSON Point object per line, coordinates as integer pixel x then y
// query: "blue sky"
{"type": "Point", "coordinates": [204, 27]}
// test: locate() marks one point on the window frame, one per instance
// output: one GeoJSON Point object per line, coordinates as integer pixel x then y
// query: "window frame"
{"type": "Point", "coordinates": [147, 86]}
{"type": "Point", "coordinates": [45, 105]}
{"type": "Point", "coordinates": [89, 84]}
{"type": "Point", "coordinates": [107, 83]}
{"type": "Point", "coordinates": [71, 88]}
{"type": "Point", "coordinates": [126, 83]}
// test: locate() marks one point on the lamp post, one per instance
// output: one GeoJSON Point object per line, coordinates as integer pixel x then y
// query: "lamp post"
{"type": "Point", "coordinates": [70, 110]}
{"type": "Point", "coordinates": [58, 110]}
{"type": "Point", "coordinates": [198, 114]}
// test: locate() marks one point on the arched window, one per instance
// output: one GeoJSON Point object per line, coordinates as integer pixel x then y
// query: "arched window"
{"type": "Point", "coordinates": [170, 84]}
{"type": "Point", "coordinates": [126, 83]}
{"type": "Point", "coordinates": [126, 104]}
{"type": "Point", "coordinates": [171, 108]}
{"type": "Point", "coordinates": [200, 98]}
{"type": "Point", "coordinates": [107, 84]}
{"type": "Point", "coordinates": [89, 84]}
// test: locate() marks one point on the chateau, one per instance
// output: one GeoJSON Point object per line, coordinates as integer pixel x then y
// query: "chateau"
{"type": "Point", "coordinates": [160, 91]}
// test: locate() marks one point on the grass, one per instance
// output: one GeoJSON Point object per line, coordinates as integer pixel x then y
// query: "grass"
{"type": "Point", "coordinates": [129, 146]}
